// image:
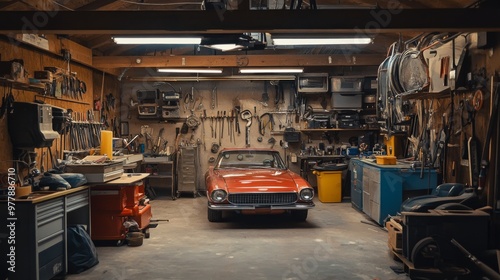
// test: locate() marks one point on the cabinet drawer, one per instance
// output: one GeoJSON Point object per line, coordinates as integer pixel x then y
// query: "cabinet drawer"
{"type": "Point", "coordinates": [77, 200]}
{"type": "Point", "coordinates": [366, 203]}
{"type": "Point", "coordinates": [188, 170]}
{"type": "Point", "coordinates": [51, 261]}
{"type": "Point", "coordinates": [375, 191]}
{"type": "Point", "coordinates": [49, 219]}
{"type": "Point", "coordinates": [375, 211]}
{"type": "Point", "coordinates": [376, 175]}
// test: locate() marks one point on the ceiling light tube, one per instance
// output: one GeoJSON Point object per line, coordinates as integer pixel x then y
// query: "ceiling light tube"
{"type": "Point", "coordinates": [270, 70]}
{"type": "Point", "coordinates": [158, 40]}
{"type": "Point", "coordinates": [190, 70]}
{"type": "Point", "coordinates": [225, 47]}
{"type": "Point", "coordinates": [320, 41]}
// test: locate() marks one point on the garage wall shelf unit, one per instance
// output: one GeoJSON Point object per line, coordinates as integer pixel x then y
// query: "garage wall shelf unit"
{"type": "Point", "coordinates": [40, 227]}
{"type": "Point", "coordinates": [162, 174]}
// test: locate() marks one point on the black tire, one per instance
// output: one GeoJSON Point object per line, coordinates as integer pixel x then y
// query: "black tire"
{"type": "Point", "coordinates": [425, 253]}
{"type": "Point", "coordinates": [214, 216]}
{"type": "Point", "coordinates": [299, 215]}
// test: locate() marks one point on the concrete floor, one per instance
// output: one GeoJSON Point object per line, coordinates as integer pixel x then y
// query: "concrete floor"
{"type": "Point", "coordinates": [334, 243]}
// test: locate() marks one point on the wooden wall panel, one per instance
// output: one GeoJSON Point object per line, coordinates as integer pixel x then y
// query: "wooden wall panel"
{"type": "Point", "coordinates": [36, 60]}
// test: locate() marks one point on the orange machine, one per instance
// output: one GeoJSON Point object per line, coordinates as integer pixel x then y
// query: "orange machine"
{"type": "Point", "coordinates": [117, 201]}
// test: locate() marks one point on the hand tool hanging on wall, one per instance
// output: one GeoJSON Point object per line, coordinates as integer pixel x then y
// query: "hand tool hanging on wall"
{"type": "Point", "coordinates": [485, 161]}
{"type": "Point", "coordinates": [213, 103]}
{"type": "Point", "coordinates": [216, 120]}
{"type": "Point", "coordinates": [265, 120]}
{"type": "Point", "coordinates": [279, 94]}
{"type": "Point", "coordinates": [222, 126]}
{"type": "Point", "coordinates": [156, 147]}
{"type": "Point", "coordinates": [236, 121]}
{"type": "Point", "coordinates": [230, 128]}
{"type": "Point", "coordinates": [212, 126]}
{"type": "Point", "coordinates": [247, 116]}
{"type": "Point", "coordinates": [473, 146]}
{"type": "Point", "coordinates": [203, 116]}
{"type": "Point", "coordinates": [265, 96]}
{"type": "Point", "coordinates": [228, 124]}
{"type": "Point", "coordinates": [439, 147]}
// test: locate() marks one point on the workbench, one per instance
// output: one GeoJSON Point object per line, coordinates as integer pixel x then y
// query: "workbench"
{"type": "Point", "coordinates": [379, 190]}
{"type": "Point", "coordinates": [115, 202]}
{"type": "Point", "coordinates": [40, 232]}
{"type": "Point", "coordinates": [304, 161]}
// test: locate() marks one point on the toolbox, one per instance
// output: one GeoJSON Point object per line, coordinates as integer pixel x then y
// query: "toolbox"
{"type": "Point", "coordinates": [386, 160]}
{"type": "Point", "coordinates": [98, 172]}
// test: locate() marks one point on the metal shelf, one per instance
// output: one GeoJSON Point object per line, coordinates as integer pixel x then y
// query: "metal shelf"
{"type": "Point", "coordinates": [39, 89]}
{"type": "Point", "coordinates": [337, 129]}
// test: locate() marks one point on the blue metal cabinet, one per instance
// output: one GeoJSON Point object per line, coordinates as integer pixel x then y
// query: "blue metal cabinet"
{"type": "Point", "coordinates": [356, 168]}
{"type": "Point", "coordinates": [384, 187]}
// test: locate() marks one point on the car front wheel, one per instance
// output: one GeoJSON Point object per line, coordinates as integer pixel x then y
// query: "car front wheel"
{"type": "Point", "coordinates": [299, 215]}
{"type": "Point", "coordinates": [214, 216]}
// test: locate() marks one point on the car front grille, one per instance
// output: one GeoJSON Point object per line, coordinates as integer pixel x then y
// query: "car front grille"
{"type": "Point", "coordinates": [262, 198]}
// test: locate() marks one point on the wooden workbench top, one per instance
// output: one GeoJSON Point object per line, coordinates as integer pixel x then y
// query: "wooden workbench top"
{"type": "Point", "coordinates": [126, 179]}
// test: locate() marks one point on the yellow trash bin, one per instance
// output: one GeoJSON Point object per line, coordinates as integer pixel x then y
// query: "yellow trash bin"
{"type": "Point", "coordinates": [329, 185]}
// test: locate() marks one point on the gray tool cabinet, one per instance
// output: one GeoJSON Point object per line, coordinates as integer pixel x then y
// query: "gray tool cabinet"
{"type": "Point", "coordinates": [187, 165]}
{"type": "Point", "coordinates": [41, 222]}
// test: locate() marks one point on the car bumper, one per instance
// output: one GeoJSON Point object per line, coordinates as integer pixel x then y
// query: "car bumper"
{"type": "Point", "coordinates": [297, 206]}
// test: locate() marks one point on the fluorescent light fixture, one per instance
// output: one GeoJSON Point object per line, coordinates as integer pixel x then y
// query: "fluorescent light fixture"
{"type": "Point", "coordinates": [270, 70]}
{"type": "Point", "coordinates": [225, 47]}
{"type": "Point", "coordinates": [321, 41]}
{"type": "Point", "coordinates": [190, 70]}
{"type": "Point", "coordinates": [158, 40]}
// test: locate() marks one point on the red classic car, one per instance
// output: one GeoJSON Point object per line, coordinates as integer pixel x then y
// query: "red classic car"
{"type": "Point", "coordinates": [252, 180]}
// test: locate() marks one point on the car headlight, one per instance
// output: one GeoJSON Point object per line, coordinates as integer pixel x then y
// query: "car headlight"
{"type": "Point", "coordinates": [307, 194]}
{"type": "Point", "coordinates": [218, 195]}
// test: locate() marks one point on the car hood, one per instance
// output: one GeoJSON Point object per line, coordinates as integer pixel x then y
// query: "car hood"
{"type": "Point", "coordinates": [266, 180]}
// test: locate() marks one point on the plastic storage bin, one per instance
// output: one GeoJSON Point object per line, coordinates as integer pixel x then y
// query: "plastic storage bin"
{"type": "Point", "coordinates": [329, 185]}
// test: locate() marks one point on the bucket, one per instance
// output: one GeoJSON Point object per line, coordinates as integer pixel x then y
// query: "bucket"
{"type": "Point", "coordinates": [135, 239]}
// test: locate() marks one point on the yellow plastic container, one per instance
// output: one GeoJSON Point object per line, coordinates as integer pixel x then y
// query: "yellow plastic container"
{"type": "Point", "coordinates": [329, 185]}
{"type": "Point", "coordinates": [107, 143]}
{"type": "Point", "coordinates": [386, 160]}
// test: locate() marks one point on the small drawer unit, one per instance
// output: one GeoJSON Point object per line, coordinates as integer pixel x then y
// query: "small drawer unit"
{"type": "Point", "coordinates": [187, 170]}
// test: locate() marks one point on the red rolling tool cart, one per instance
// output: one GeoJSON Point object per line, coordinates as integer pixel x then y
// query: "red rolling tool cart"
{"type": "Point", "coordinates": [114, 202]}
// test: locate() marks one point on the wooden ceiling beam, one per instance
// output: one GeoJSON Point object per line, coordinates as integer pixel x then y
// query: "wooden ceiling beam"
{"type": "Point", "coordinates": [99, 41]}
{"type": "Point", "coordinates": [237, 61]}
{"type": "Point", "coordinates": [97, 5]}
{"type": "Point", "coordinates": [6, 4]}
{"type": "Point", "coordinates": [236, 21]}
{"type": "Point", "coordinates": [41, 5]}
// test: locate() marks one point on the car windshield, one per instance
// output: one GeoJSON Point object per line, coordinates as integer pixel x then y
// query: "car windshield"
{"type": "Point", "coordinates": [249, 159]}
